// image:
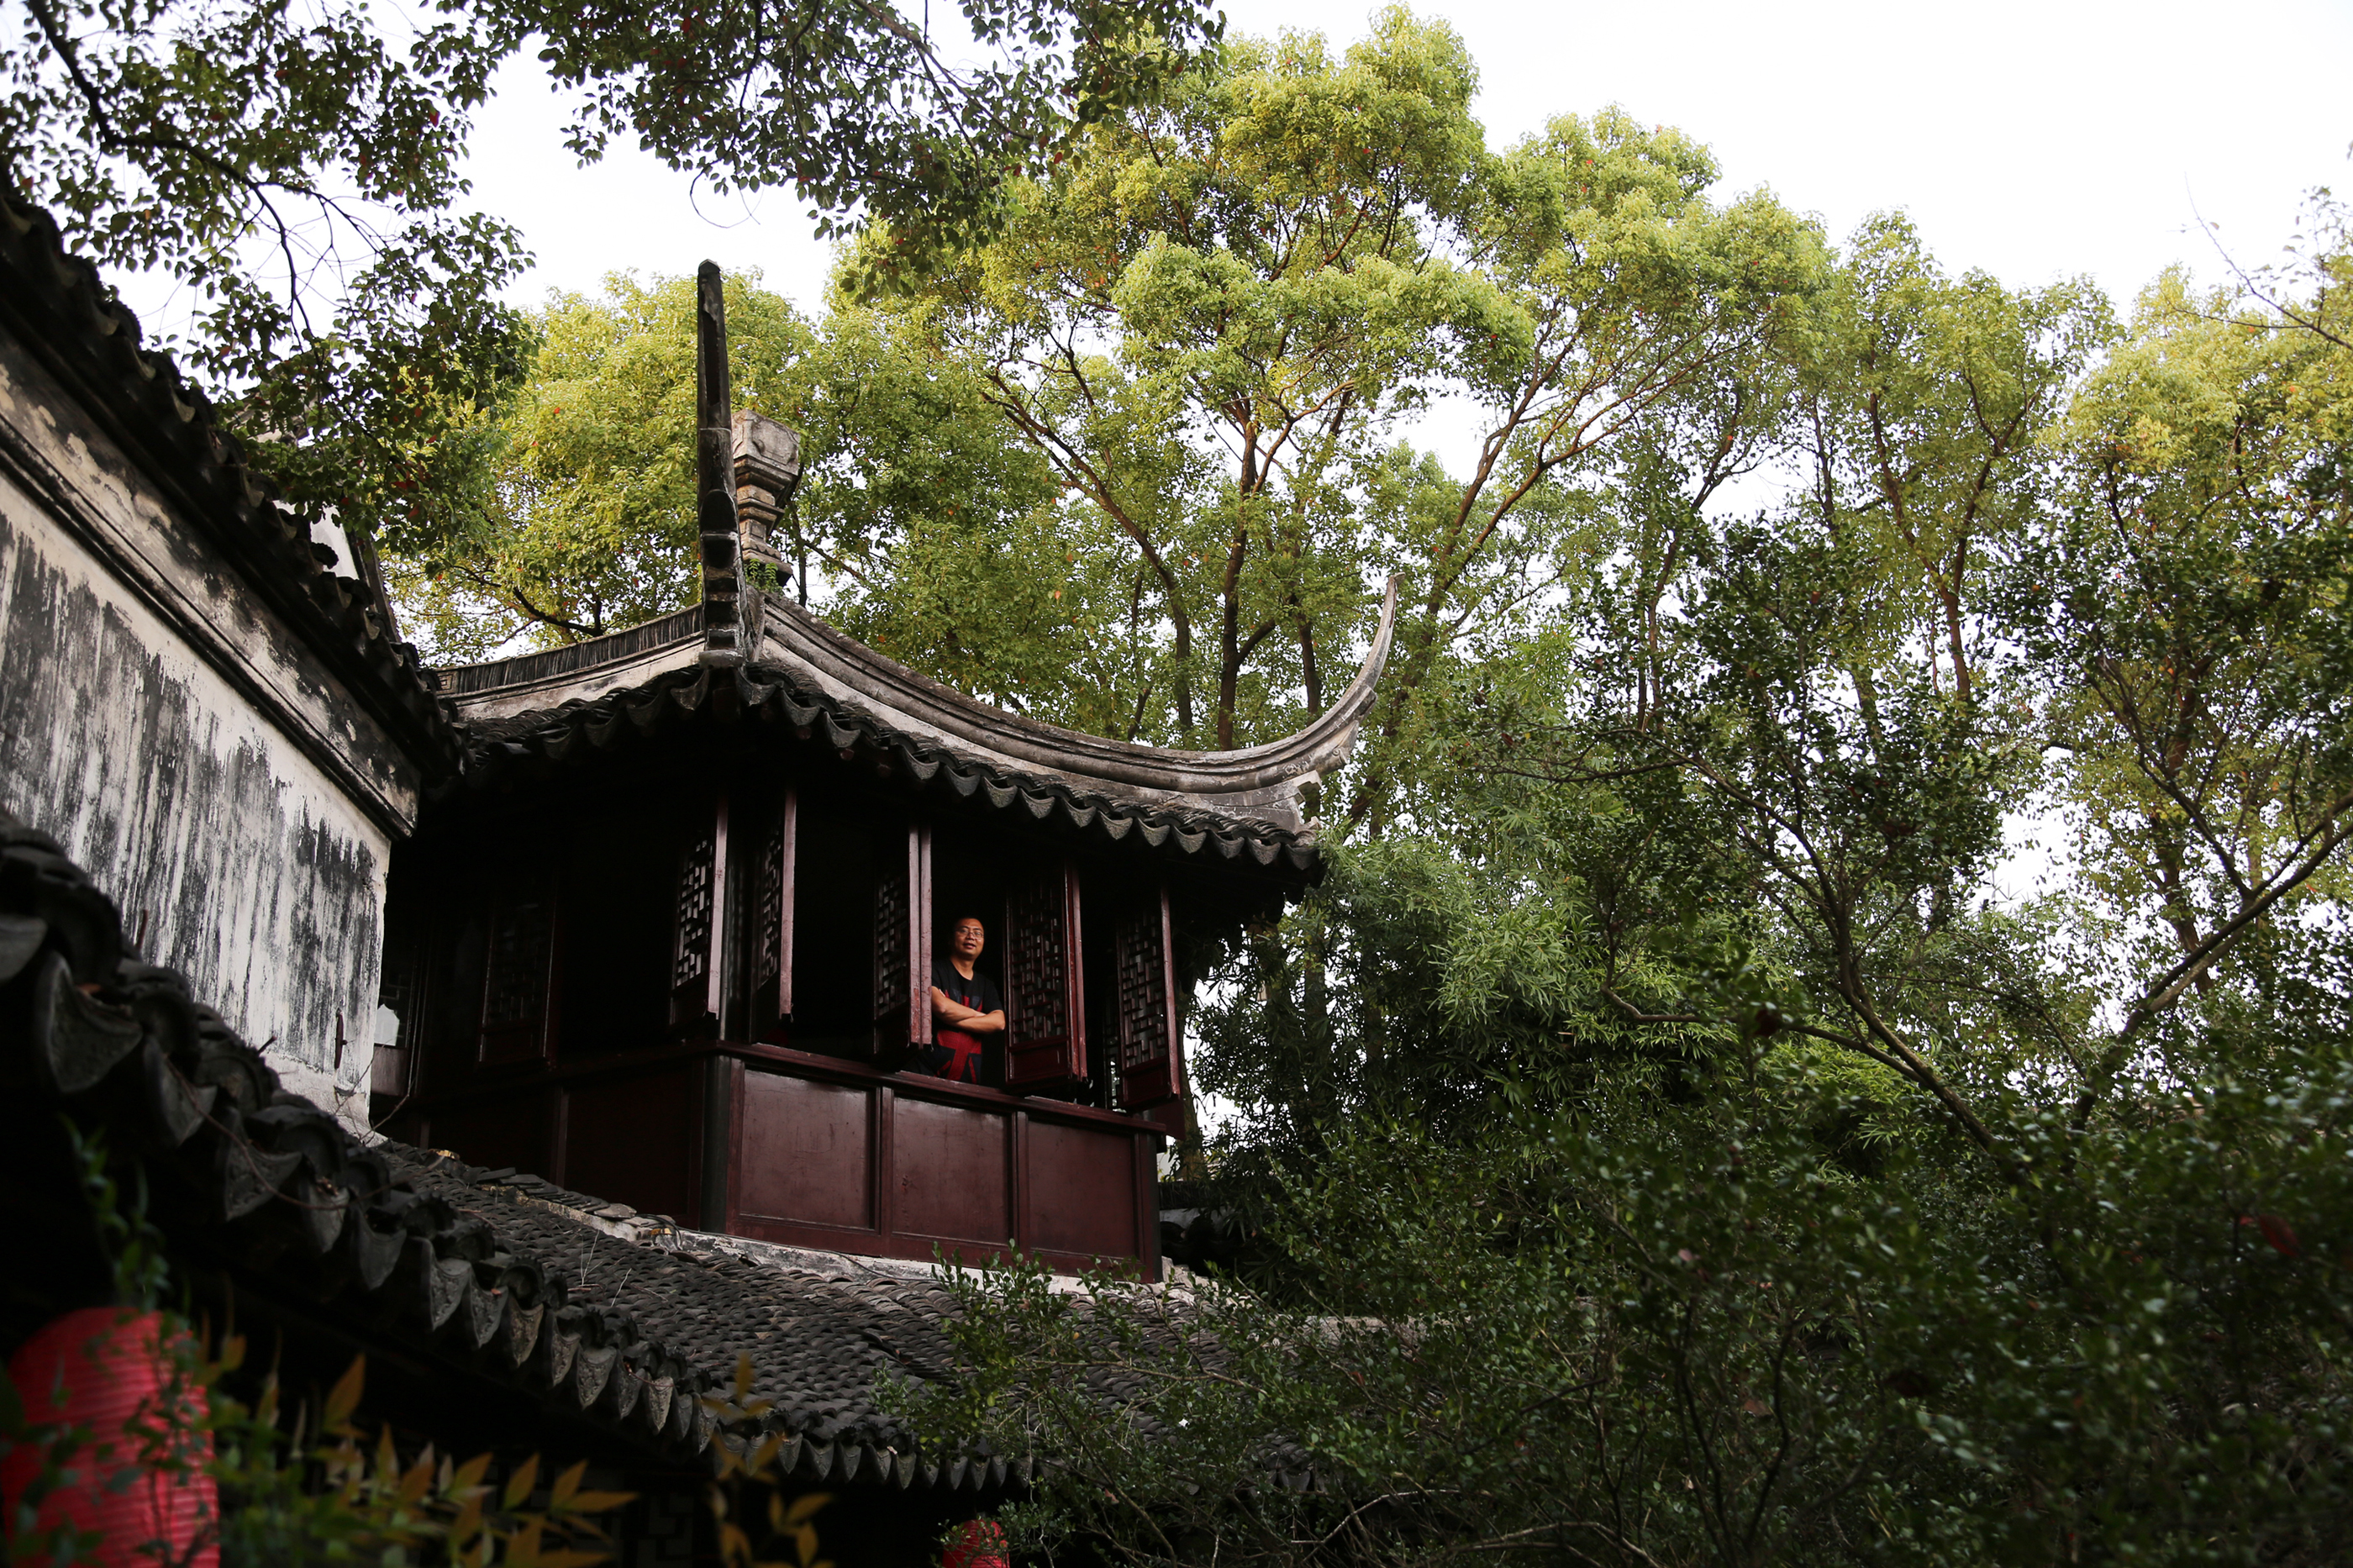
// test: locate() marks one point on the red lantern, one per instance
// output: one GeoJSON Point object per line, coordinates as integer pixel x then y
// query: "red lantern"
{"type": "Point", "coordinates": [978, 1543]}
{"type": "Point", "coordinates": [108, 1370]}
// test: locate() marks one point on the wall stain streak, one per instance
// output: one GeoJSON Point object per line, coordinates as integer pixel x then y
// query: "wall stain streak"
{"type": "Point", "coordinates": [251, 872]}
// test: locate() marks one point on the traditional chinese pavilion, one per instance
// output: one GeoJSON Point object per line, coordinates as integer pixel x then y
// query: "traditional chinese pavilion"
{"type": "Point", "coordinates": [668, 936]}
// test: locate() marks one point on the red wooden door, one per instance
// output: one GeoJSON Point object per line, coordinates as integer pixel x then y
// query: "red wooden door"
{"type": "Point", "coordinates": [697, 961]}
{"type": "Point", "coordinates": [1151, 1048]}
{"type": "Point", "coordinates": [1045, 1007]}
{"type": "Point", "coordinates": [902, 946]}
{"type": "Point", "coordinates": [772, 918]}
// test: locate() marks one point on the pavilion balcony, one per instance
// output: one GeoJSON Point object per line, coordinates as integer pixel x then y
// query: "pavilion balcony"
{"type": "Point", "coordinates": [809, 1151]}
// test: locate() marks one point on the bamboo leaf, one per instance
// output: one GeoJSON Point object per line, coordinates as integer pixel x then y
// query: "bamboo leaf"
{"type": "Point", "coordinates": [345, 1397]}
{"type": "Point", "coordinates": [416, 1482]}
{"type": "Point", "coordinates": [566, 1484]}
{"type": "Point", "coordinates": [470, 1474]}
{"type": "Point", "coordinates": [520, 1484]}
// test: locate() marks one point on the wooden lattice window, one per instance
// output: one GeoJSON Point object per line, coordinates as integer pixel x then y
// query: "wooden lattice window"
{"type": "Point", "coordinates": [1151, 1048]}
{"type": "Point", "coordinates": [700, 921]}
{"type": "Point", "coordinates": [772, 918]}
{"type": "Point", "coordinates": [516, 982]}
{"type": "Point", "coordinates": [1045, 1040]}
{"type": "Point", "coordinates": [902, 943]}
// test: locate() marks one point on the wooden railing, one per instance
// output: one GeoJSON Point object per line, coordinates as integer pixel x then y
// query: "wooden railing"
{"type": "Point", "coordinates": [811, 1150]}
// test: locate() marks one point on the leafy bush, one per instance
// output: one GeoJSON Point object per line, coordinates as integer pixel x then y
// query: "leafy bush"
{"type": "Point", "coordinates": [1703, 1339]}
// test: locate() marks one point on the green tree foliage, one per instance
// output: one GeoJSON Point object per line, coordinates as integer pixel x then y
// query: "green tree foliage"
{"type": "Point", "coordinates": [1159, 404]}
{"type": "Point", "coordinates": [296, 171]}
{"type": "Point", "coordinates": [1679, 1148]}
{"type": "Point", "coordinates": [1212, 316]}
{"type": "Point", "coordinates": [1696, 1336]}
{"type": "Point", "coordinates": [595, 470]}
{"type": "Point", "coordinates": [1745, 746]}
{"type": "Point", "coordinates": [935, 532]}
{"type": "Point", "coordinates": [2192, 630]}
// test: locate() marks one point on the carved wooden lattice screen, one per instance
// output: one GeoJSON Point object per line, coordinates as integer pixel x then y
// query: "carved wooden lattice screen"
{"type": "Point", "coordinates": [903, 944]}
{"type": "Point", "coordinates": [516, 982]}
{"type": "Point", "coordinates": [1045, 1034]}
{"type": "Point", "coordinates": [697, 959]}
{"type": "Point", "coordinates": [772, 918]}
{"type": "Point", "coordinates": [1151, 1048]}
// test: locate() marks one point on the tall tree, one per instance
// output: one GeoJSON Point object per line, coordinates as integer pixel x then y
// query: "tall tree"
{"type": "Point", "coordinates": [1895, 1220]}
{"type": "Point", "coordinates": [1211, 318]}
{"type": "Point", "coordinates": [1921, 411]}
{"type": "Point", "coordinates": [2188, 613]}
{"type": "Point", "coordinates": [1737, 745]}
{"type": "Point", "coordinates": [298, 172]}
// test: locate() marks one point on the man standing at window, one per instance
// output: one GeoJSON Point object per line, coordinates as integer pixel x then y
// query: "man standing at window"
{"type": "Point", "coordinates": [964, 1006]}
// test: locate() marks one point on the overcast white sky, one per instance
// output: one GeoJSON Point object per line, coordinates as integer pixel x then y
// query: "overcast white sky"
{"type": "Point", "coordinates": [2033, 138]}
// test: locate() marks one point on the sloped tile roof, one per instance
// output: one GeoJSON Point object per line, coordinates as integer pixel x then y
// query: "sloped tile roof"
{"type": "Point", "coordinates": [466, 1269]}
{"type": "Point", "coordinates": [500, 749]}
{"type": "Point", "coordinates": [54, 303]}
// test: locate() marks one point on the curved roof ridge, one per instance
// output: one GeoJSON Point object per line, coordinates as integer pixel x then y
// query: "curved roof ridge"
{"type": "Point", "coordinates": [1249, 775]}
{"type": "Point", "coordinates": [503, 702]}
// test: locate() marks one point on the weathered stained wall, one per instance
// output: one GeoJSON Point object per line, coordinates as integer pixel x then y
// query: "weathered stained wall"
{"type": "Point", "coordinates": [179, 743]}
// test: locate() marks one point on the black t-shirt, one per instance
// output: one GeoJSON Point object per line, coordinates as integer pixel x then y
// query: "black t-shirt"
{"type": "Point", "coordinates": [979, 992]}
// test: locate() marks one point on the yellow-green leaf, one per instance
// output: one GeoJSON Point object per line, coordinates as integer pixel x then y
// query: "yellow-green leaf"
{"type": "Point", "coordinates": [520, 1484]}
{"type": "Point", "coordinates": [470, 1474]}
{"type": "Point", "coordinates": [345, 1397]}
{"type": "Point", "coordinates": [565, 1485]}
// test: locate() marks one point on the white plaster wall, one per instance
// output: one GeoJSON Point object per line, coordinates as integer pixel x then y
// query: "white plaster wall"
{"type": "Point", "coordinates": [145, 724]}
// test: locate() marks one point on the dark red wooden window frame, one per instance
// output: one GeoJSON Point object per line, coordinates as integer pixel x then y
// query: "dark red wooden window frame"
{"type": "Point", "coordinates": [902, 926]}
{"type": "Point", "coordinates": [699, 923]}
{"type": "Point", "coordinates": [524, 1033]}
{"type": "Point", "coordinates": [1045, 996]}
{"type": "Point", "coordinates": [772, 917]}
{"type": "Point", "coordinates": [1151, 1040]}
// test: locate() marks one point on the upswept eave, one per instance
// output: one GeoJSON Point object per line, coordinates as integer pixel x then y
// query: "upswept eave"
{"type": "Point", "coordinates": [1260, 781]}
{"type": "Point", "coordinates": [552, 707]}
